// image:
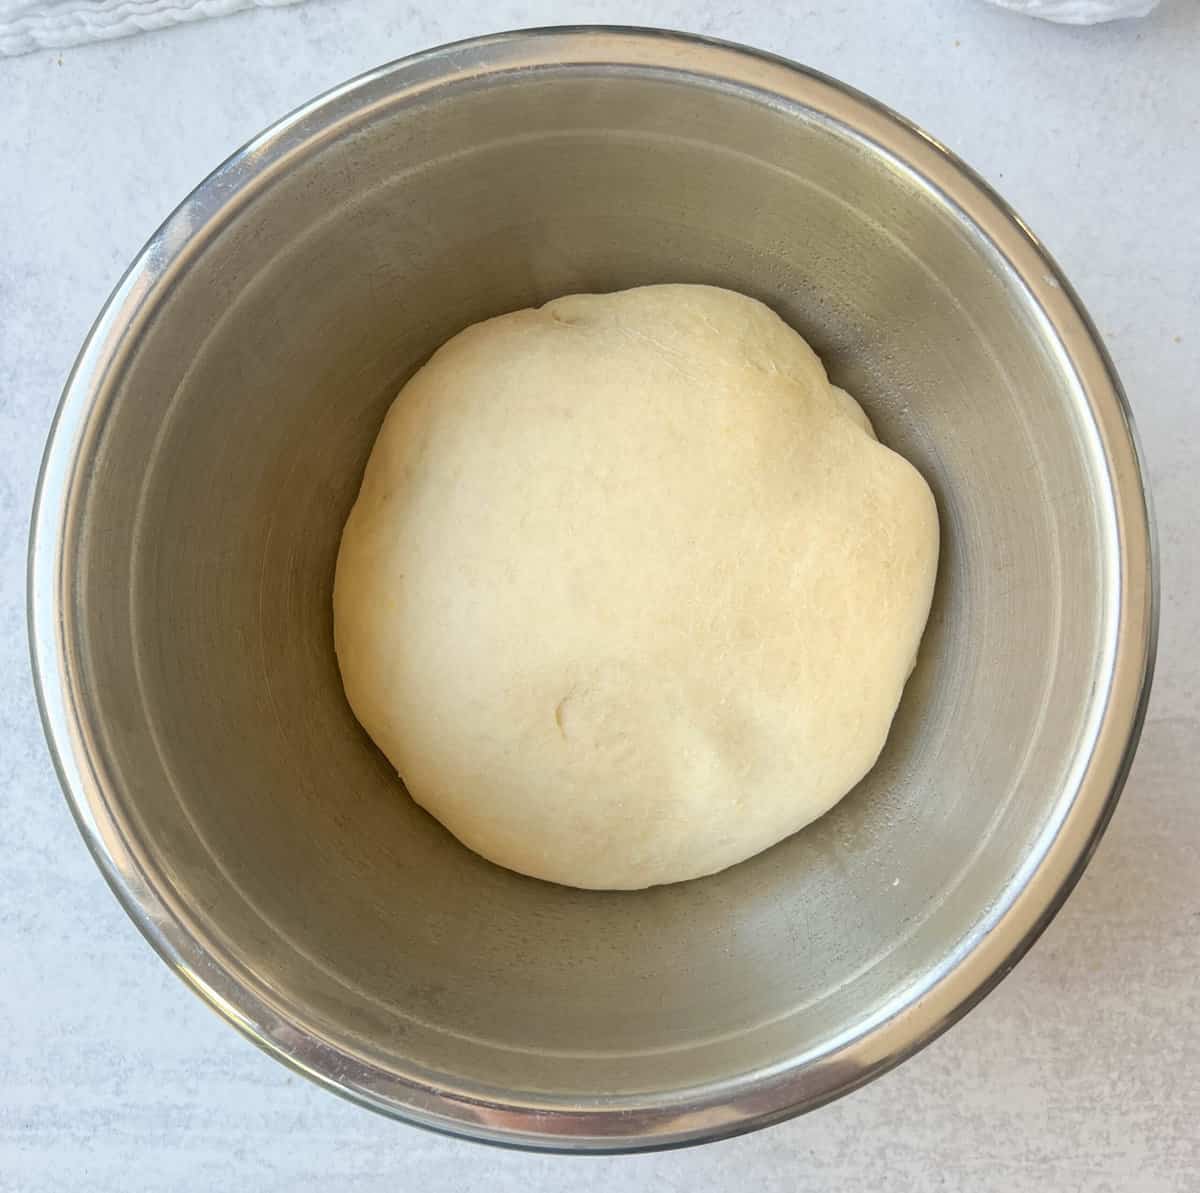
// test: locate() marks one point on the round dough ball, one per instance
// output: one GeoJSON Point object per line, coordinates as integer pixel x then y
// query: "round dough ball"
{"type": "Point", "coordinates": [630, 591]}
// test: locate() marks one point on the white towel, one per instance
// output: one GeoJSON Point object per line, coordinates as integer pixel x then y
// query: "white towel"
{"type": "Point", "coordinates": [1080, 12]}
{"type": "Point", "coordinates": [27, 25]}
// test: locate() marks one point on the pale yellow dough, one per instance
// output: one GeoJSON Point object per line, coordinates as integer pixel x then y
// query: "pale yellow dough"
{"type": "Point", "coordinates": [630, 591]}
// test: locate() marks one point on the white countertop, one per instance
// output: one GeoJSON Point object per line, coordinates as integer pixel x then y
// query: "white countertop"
{"type": "Point", "coordinates": [1081, 1072]}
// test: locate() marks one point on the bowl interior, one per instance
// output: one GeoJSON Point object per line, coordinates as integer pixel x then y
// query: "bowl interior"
{"type": "Point", "coordinates": [225, 451]}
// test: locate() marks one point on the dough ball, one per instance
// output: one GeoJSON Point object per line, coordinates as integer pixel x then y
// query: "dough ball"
{"type": "Point", "coordinates": [630, 591]}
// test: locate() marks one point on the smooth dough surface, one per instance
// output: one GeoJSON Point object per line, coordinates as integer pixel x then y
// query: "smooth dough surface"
{"type": "Point", "coordinates": [630, 592]}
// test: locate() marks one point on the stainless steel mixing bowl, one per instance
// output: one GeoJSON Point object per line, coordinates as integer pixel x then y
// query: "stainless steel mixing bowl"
{"type": "Point", "coordinates": [209, 445]}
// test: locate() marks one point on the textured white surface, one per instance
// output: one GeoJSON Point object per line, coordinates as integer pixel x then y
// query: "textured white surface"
{"type": "Point", "coordinates": [27, 25]}
{"type": "Point", "coordinates": [1080, 1073]}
